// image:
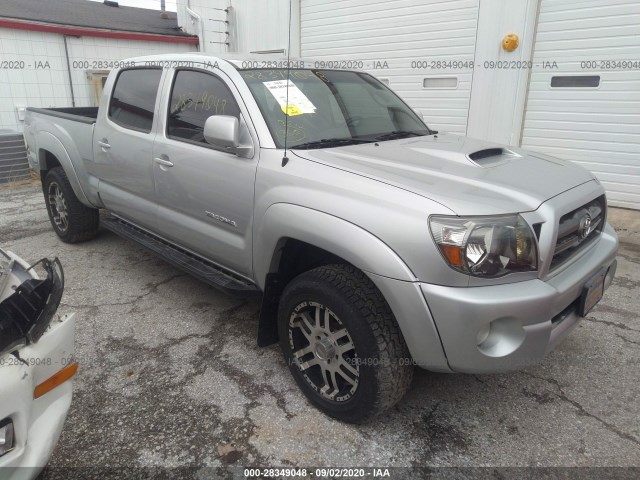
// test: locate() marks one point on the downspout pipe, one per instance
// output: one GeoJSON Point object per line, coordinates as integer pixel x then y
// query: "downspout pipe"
{"type": "Point", "coordinates": [201, 44]}
{"type": "Point", "coordinates": [66, 54]}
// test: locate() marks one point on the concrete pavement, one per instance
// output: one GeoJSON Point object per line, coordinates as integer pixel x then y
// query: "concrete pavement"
{"type": "Point", "coordinates": [170, 375]}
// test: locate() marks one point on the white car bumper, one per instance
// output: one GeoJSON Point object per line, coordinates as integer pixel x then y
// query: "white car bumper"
{"type": "Point", "coordinates": [37, 422]}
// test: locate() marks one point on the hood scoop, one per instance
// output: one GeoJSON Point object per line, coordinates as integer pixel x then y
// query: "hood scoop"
{"type": "Point", "coordinates": [490, 157]}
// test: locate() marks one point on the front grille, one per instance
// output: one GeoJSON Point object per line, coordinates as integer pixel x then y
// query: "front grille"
{"type": "Point", "coordinates": [577, 229]}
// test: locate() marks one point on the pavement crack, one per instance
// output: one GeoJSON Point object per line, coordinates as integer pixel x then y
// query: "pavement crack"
{"type": "Point", "coordinates": [233, 309]}
{"type": "Point", "coordinates": [20, 211]}
{"type": "Point", "coordinates": [151, 286]}
{"type": "Point", "coordinates": [628, 340]}
{"type": "Point", "coordinates": [96, 305]}
{"type": "Point", "coordinates": [582, 411]}
{"type": "Point", "coordinates": [628, 258]}
{"type": "Point", "coordinates": [621, 326]}
{"type": "Point", "coordinates": [478, 379]}
{"type": "Point", "coordinates": [429, 415]}
{"type": "Point", "coordinates": [154, 285]}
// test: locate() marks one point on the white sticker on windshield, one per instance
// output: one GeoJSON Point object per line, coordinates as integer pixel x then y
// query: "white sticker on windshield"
{"type": "Point", "coordinates": [298, 101]}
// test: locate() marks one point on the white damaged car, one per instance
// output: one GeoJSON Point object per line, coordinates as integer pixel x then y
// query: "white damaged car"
{"type": "Point", "coordinates": [37, 364]}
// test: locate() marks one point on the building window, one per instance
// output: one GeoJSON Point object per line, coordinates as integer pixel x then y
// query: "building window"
{"type": "Point", "coordinates": [575, 81]}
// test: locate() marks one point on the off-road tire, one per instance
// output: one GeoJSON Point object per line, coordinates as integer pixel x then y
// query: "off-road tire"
{"type": "Point", "coordinates": [385, 365]}
{"type": "Point", "coordinates": [81, 221]}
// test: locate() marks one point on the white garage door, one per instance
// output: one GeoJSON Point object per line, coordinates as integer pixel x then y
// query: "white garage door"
{"type": "Point", "coordinates": [428, 47]}
{"type": "Point", "coordinates": [588, 109]}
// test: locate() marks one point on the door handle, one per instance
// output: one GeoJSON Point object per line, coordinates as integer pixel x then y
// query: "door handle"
{"type": "Point", "coordinates": [163, 162]}
{"type": "Point", "coordinates": [103, 144]}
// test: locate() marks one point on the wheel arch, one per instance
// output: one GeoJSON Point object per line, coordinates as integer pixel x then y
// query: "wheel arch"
{"type": "Point", "coordinates": [284, 223]}
{"type": "Point", "coordinates": [51, 154]}
{"type": "Point", "coordinates": [292, 239]}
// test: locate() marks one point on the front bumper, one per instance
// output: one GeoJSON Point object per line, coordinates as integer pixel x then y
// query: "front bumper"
{"type": "Point", "coordinates": [527, 319]}
{"type": "Point", "coordinates": [37, 422]}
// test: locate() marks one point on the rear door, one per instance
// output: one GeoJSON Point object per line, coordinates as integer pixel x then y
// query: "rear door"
{"type": "Point", "coordinates": [205, 194]}
{"type": "Point", "coordinates": [123, 145]}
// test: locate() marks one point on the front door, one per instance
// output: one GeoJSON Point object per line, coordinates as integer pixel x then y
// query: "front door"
{"type": "Point", "coordinates": [204, 193]}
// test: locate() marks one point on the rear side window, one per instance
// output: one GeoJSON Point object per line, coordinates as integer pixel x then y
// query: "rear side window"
{"type": "Point", "coordinates": [134, 98]}
{"type": "Point", "coordinates": [196, 96]}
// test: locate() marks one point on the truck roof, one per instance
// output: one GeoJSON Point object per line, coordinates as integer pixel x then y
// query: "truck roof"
{"type": "Point", "coordinates": [238, 61]}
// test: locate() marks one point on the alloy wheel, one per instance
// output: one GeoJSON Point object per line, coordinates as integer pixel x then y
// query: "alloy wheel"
{"type": "Point", "coordinates": [324, 351]}
{"type": "Point", "coordinates": [58, 206]}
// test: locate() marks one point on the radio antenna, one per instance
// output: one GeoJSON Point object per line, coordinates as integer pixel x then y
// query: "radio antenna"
{"type": "Point", "coordinates": [285, 159]}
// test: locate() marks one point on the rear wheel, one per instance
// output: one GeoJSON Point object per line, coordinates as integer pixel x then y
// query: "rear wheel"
{"type": "Point", "coordinates": [342, 343]}
{"type": "Point", "coordinates": [72, 221]}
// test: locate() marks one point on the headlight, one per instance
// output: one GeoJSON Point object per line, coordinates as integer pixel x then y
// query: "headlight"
{"type": "Point", "coordinates": [486, 246]}
{"type": "Point", "coordinates": [6, 436]}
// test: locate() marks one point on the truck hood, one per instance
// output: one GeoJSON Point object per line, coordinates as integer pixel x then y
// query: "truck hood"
{"type": "Point", "coordinates": [468, 176]}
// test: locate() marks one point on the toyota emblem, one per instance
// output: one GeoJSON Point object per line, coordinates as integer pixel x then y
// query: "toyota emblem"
{"type": "Point", "coordinates": [584, 228]}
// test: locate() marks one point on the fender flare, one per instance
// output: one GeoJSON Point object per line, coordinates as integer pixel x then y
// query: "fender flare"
{"type": "Point", "coordinates": [362, 249]}
{"type": "Point", "coordinates": [47, 141]}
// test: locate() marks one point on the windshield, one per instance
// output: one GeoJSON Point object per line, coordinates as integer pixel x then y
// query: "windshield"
{"type": "Point", "coordinates": [330, 108]}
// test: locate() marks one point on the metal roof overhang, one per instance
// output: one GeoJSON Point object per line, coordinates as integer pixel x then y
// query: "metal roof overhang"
{"type": "Point", "coordinates": [94, 32]}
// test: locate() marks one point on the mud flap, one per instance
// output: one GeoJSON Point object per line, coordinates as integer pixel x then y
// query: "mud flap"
{"type": "Point", "coordinates": [268, 326]}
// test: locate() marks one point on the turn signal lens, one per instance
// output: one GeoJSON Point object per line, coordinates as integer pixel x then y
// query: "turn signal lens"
{"type": "Point", "coordinates": [453, 254]}
{"type": "Point", "coordinates": [56, 380]}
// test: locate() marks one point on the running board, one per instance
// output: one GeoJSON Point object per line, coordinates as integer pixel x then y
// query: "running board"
{"type": "Point", "coordinates": [193, 264]}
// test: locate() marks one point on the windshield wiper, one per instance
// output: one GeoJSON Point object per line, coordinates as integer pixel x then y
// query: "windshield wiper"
{"type": "Point", "coordinates": [399, 134]}
{"type": "Point", "coordinates": [328, 142]}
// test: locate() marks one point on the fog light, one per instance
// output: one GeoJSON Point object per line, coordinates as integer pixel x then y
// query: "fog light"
{"type": "Point", "coordinates": [503, 337]}
{"type": "Point", "coordinates": [483, 333]}
{"type": "Point", "coordinates": [6, 436]}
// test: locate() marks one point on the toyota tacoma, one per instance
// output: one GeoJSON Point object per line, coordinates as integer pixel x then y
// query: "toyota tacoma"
{"type": "Point", "coordinates": [376, 243]}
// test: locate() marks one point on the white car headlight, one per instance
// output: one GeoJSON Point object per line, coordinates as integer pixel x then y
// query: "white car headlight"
{"type": "Point", "coordinates": [6, 436]}
{"type": "Point", "coordinates": [486, 246]}
{"type": "Point", "coordinates": [26, 314]}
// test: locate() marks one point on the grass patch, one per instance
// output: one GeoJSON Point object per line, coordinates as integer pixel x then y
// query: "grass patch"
{"type": "Point", "coordinates": [22, 181]}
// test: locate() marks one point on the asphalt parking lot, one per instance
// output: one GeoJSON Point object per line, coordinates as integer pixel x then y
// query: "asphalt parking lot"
{"type": "Point", "coordinates": [170, 375]}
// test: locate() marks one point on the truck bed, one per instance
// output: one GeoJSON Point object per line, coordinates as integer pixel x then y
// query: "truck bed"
{"type": "Point", "coordinates": [76, 114]}
{"type": "Point", "coordinates": [71, 127]}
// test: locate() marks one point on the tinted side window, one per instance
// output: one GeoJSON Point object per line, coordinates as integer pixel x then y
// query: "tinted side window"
{"type": "Point", "coordinates": [196, 96]}
{"type": "Point", "coordinates": [134, 98]}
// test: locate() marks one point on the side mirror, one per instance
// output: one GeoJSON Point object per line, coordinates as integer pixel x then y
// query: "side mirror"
{"type": "Point", "coordinates": [222, 131]}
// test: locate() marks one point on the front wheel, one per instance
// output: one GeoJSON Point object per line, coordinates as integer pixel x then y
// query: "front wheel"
{"type": "Point", "coordinates": [72, 221]}
{"type": "Point", "coordinates": [342, 344]}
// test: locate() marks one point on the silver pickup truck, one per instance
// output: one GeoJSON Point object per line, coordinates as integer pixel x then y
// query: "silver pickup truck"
{"type": "Point", "coordinates": [376, 243]}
